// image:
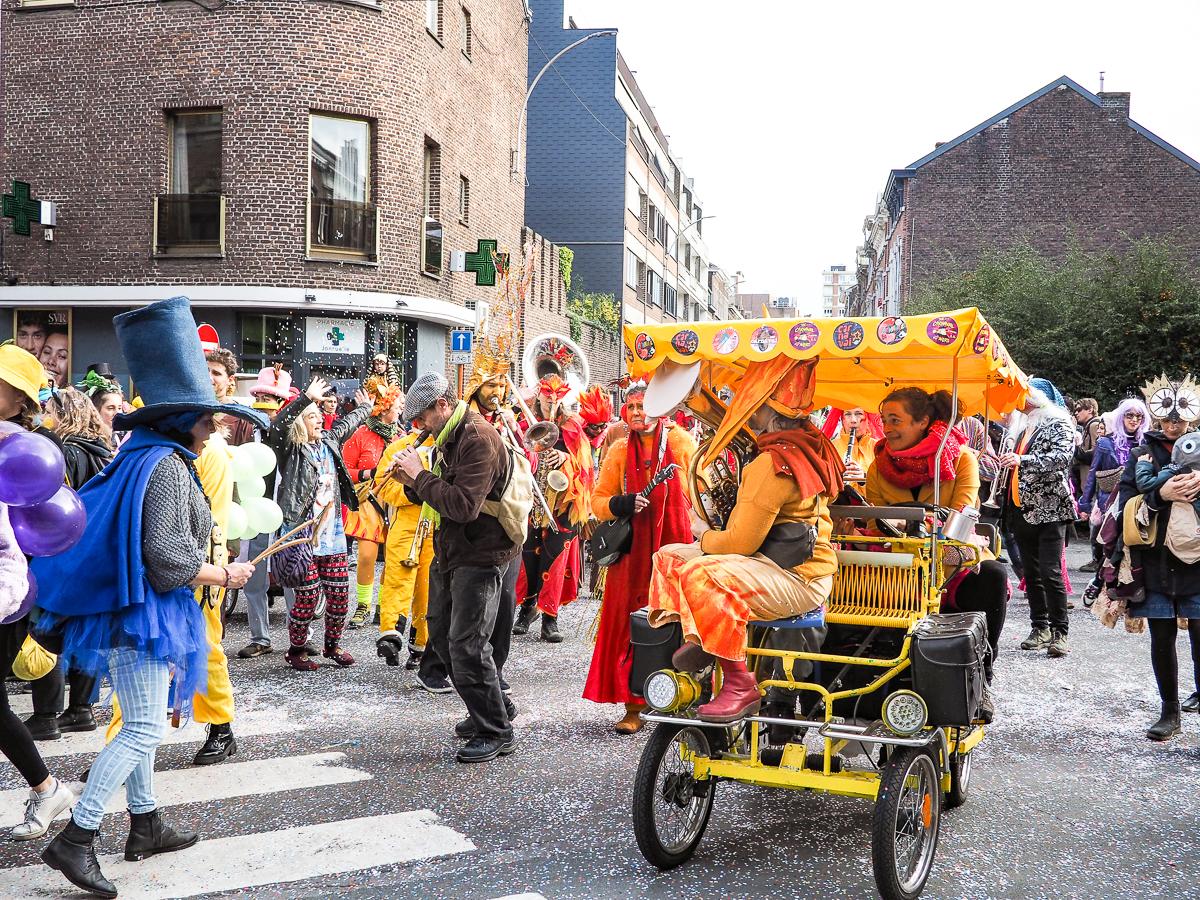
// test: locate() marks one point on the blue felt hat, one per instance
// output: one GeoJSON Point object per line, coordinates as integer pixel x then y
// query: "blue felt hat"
{"type": "Point", "coordinates": [1046, 386]}
{"type": "Point", "coordinates": [167, 365]}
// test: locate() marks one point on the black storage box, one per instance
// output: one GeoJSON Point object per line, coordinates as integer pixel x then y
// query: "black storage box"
{"type": "Point", "coordinates": [651, 648]}
{"type": "Point", "coordinates": [948, 655]}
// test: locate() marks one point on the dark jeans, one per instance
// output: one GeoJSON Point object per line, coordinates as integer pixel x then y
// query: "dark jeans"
{"type": "Point", "coordinates": [1041, 548]}
{"type": "Point", "coordinates": [462, 615]}
{"type": "Point", "coordinates": [986, 591]}
{"type": "Point", "coordinates": [501, 640]}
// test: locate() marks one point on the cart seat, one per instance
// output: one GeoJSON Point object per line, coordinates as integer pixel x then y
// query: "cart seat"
{"type": "Point", "coordinates": [814, 618]}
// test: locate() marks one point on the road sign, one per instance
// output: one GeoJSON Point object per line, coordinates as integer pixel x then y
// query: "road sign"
{"type": "Point", "coordinates": [460, 341]}
{"type": "Point", "coordinates": [460, 359]}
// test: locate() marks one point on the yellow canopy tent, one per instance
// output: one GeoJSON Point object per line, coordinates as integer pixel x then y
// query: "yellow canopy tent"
{"type": "Point", "coordinates": [860, 360]}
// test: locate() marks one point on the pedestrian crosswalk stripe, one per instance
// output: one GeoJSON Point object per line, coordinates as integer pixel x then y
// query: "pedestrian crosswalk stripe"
{"type": "Point", "coordinates": [230, 779]}
{"type": "Point", "coordinates": [250, 860]}
{"type": "Point", "coordinates": [259, 722]}
{"type": "Point", "coordinates": [21, 704]}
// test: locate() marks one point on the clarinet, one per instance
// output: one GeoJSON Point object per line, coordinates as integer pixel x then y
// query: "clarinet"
{"type": "Point", "coordinates": [850, 447]}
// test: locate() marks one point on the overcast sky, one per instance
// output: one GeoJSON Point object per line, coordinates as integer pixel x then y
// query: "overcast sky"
{"type": "Point", "coordinates": [790, 114]}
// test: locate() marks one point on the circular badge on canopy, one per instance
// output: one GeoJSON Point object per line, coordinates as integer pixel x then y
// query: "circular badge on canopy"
{"type": "Point", "coordinates": [686, 342]}
{"type": "Point", "coordinates": [643, 345]}
{"type": "Point", "coordinates": [764, 339]}
{"type": "Point", "coordinates": [942, 330]}
{"type": "Point", "coordinates": [981, 339]}
{"type": "Point", "coordinates": [848, 335]}
{"type": "Point", "coordinates": [892, 330]}
{"type": "Point", "coordinates": [726, 340]}
{"type": "Point", "coordinates": [804, 335]}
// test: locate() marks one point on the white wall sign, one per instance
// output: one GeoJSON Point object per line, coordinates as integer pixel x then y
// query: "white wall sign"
{"type": "Point", "coordinates": [344, 337]}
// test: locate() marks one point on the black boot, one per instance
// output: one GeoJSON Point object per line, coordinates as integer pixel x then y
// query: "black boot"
{"type": "Point", "coordinates": [77, 718]}
{"type": "Point", "coordinates": [72, 854]}
{"type": "Point", "coordinates": [1192, 703]}
{"type": "Point", "coordinates": [148, 836]}
{"type": "Point", "coordinates": [525, 616]}
{"type": "Point", "coordinates": [43, 727]}
{"type": "Point", "coordinates": [219, 746]}
{"type": "Point", "coordinates": [414, 660]}
{"type": "Point", "coordinates": [550, 630]}
{"type": "Point", "coordinates": [1167, 725]}
{"type": "Point", "coordinates": [389, 646]}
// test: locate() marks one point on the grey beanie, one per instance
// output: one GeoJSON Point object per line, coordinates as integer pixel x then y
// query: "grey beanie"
{"type": "Point", "coordinates": [424, 393]}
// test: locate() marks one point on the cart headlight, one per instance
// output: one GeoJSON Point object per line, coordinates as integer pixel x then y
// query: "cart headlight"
{"type": "Point", "coordinates": [905, 713]}
{"type": "Point", "coordinates": [667, 690]}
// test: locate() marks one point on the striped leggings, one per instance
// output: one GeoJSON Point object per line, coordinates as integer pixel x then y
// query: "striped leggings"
{"type": "Point", "coordinates": [331, 575]}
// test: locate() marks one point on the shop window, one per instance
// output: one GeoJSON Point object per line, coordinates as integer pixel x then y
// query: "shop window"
{"type": "Point", "coordinates": [342, 219]}
{"type": "Point", "coordinates": [189, 220]}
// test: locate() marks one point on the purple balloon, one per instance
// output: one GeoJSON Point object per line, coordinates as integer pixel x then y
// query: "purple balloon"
{"type": "Point", "coordinates": [47, 529]}
{"type": "Point", "coordinates": [26, 604]}
{"type": "Point", "coordinates": [7, 428]}
{"type": "Point", "coordinates": [31, 469]}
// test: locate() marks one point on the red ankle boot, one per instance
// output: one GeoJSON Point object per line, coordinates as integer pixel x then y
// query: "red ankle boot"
{"type": "Point", "coordinates": [739, 695]}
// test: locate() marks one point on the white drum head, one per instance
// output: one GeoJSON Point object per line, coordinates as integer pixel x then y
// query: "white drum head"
{"type": "Point", "coordinates": [671, 385]}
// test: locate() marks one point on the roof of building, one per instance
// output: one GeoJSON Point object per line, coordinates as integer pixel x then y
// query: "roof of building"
{"type": "Point", "coordinates": [1066, 82]}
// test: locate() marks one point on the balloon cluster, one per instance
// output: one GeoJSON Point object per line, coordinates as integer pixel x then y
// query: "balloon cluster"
{"type": "Point", "coordinates": [255, 513]}
{"type": "Point", "coordinates": [47, 517]}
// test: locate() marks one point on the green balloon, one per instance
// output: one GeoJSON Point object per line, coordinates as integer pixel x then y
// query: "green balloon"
{"type": "Point", "coordinates": [242, 463]}
{"type": "Point", "coordinates": [263, 515]}
{"type": "Point", "coordinates": [250, 488]}
{"type": "Point", "coordinates": [238, 524]}
{"type": "Point", "coordinates": [262, 458]}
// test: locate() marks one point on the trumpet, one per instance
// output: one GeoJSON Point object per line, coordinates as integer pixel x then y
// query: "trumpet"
{"type": "Point", "coordinates": [424, 529]}
{"type": "Point", "coordinates": [992, 504]}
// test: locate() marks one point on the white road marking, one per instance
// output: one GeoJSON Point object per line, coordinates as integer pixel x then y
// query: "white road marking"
{"type": "Point", "coordinates": [21, 704]}
{"type": "Point", "coordinates": [220, 782]}
{"type": "Point", "coordinates": [522, 897]}
{"type": "Point", "coordinates": [270, 857]}
{"type": "Point", "coordinates": [92, 742]}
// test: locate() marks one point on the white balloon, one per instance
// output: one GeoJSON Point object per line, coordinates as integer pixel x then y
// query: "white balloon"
{"type": "Point", "coordinates": [249, 488]}
{"type": "Point", "coordinates": [241, 463]}
{"type": "Point", "coordinates": [263, 515]}
{"type": "Point", "coordinates": [238, 524]}
{"type": "Point", "coordinates": [262, 458]}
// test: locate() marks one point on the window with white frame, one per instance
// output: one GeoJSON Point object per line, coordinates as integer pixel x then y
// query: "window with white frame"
{"type": "Point", "coordinates": [433, 17]}
{"type": "Point", "coordinates": [631, 268]}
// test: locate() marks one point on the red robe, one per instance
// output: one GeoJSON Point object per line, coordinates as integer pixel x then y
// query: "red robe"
{"type": "Point", "coordinates": [627, 588]}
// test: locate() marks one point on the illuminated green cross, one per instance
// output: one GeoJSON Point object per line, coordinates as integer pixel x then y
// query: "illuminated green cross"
{"type": "Point", "coordinates": [21, 208]}
{"type": "Point", "coordinates": [336, 335]}
{"type": "Point", "coordinates": [483, 262]}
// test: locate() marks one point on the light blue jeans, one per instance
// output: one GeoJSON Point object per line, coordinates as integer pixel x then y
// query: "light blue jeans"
{"type": "Point", "coordinates": [142, 684]}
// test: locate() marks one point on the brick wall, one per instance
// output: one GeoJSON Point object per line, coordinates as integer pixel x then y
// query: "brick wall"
{"type": "Point", "coordinates": [90, 131]}
{"type": "Point", "coordinates": [1057, 170]}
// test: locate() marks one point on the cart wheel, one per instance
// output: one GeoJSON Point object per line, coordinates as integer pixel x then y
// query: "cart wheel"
{"type": "Point", "coordinates": [670, 807]}
{"type": "Point", "coordinates": [907, 819]}
{"type": "Point", "coordinates": [960, 779]}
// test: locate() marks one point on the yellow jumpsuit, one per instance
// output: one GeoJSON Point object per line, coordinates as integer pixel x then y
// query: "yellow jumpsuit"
{"type": "Point", "coordinates": [215, 705]}
{"type": "Point", "coordinates": [403, 590]}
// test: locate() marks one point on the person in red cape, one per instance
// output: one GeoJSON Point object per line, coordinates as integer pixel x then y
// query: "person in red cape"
{"type": "Point", "coordinates": [552, 559]}
{"type": "Point", "coordinates": [664, 518]}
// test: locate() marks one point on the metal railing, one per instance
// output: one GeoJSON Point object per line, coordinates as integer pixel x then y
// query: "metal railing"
{"type": "Point", "coordinates": [343, 227]}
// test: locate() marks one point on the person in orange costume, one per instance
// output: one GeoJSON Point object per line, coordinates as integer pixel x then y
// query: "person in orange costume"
{"type": "Point", "coordinates": [663, 518]}
{"type": "Point", "coordinates": [716, 587]}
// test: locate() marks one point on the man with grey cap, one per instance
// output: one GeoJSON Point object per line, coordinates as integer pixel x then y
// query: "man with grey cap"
{"type": "Point", "coordinates": [470, 548]}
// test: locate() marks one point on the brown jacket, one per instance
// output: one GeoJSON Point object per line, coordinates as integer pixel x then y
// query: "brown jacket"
{"type": "Point", "coordinates": [474, 468]}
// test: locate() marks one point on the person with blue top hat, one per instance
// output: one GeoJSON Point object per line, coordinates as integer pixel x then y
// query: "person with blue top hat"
{"type": "Point", "coordinates": [121, 602]}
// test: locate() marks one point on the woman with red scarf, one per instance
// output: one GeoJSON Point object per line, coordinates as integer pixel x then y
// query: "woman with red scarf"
{"type": "Point", "coordinates": [714, 589]}
{"type": "Point", "coordinates": [914, 425]}
{"type": "Point", "coordinates": [661, 519]}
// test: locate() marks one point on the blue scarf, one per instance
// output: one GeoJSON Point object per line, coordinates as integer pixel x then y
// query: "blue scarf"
{"type": "Point", "coordinates": [99, 588]}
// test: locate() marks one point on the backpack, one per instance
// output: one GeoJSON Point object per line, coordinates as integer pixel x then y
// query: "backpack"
{"type": "Point", "coordinates": [516, 497]}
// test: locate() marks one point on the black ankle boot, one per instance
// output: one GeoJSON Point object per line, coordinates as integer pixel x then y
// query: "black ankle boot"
{"type": "Point", "coordinates": [1167, 725]}
{"type": "Point", "coordinates": [219, 746]}
{"type": "Point", "coordinates": [550, 630]}
{"type": "Point", "coordinates": [525, 616]}
{"type": "Point", "coordinates": [73, 854]}
{"type": "Point", "coordinates": [148, 836]}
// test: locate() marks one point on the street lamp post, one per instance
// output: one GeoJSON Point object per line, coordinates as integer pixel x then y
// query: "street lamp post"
{"type": "Point", "coordinates": [514, 168]}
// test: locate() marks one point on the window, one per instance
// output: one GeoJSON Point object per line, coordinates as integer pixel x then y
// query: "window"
{"type": "Point", "coordinates": [266, 340]}
{"type": "Point", "coordinates": [431, 226]}
{"type": "Point", "coordinates": [466, 33]}
{"type": "Point", "coordinates": [190, 218]}
{"type": "Point", "coordinates": [697, 220]}
{"type": "Point", "coordinates": [669, 296]}
{"type": "Point", "coordinates": [342, 220]}
{"type": "Point", "coordinates": [652, 222]}
{"type": "Point", "coordinates": [655, 289]}
{"type": "Point", "coordinates": [631, 268]}
{"type": "Point", "coordinates": [464, 199]}
{"type": "Point", "coordinates": [433, 17]}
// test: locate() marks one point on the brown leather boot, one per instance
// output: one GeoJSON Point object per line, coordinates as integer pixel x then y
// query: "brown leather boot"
{"type": "Point", "coordinates": [739, 696]}
{"type": "Point", "coordinates": [632, 722]}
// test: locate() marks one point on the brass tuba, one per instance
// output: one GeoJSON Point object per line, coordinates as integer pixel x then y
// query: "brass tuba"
{"type": "Point", "coordinates": [553, 354]}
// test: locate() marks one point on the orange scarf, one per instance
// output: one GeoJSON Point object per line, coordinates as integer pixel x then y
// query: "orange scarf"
{"type": "Point", "coordinates": [806, 455]}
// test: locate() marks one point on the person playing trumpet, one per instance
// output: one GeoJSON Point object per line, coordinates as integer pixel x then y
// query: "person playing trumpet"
{"type": "Point", "coordinates": [564, 471]}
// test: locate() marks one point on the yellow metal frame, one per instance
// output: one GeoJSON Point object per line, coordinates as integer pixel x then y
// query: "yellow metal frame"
{"type": "Point", "coordinates": [901, 596]}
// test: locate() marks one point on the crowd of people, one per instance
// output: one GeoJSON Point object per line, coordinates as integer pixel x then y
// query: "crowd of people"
{"type": "Point", "coordinates": [466, 520]}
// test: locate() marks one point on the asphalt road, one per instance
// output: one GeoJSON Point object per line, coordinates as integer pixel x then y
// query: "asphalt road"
{"type": "Point", "coordinates": [1067, 799]}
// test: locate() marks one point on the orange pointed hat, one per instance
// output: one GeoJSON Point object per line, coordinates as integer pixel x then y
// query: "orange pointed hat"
{"type": "Point", "coordinates": [783, 383]}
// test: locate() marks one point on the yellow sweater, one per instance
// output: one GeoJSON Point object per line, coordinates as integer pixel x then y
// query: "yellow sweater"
{"type": "Point", "coordinates": [962, 490]}
{"type": "Point", "coordinates": [864, 448]}
{"type": "Point", "coordinates": [765, 499]}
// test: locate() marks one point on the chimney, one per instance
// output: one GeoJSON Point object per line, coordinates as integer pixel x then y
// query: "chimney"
{"type": "Point", "coordinates": [1116, 104]}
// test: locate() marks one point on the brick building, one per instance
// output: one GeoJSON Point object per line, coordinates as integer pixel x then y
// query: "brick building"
{"type": "Point", "coordinates": [601, 179]}
{"type": "Point", "coordinates": [1059, 166]}
{"type": "Point", "coordinates": [301, 169]}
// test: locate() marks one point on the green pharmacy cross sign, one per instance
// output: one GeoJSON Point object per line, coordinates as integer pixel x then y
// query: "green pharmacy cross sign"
{"type": "Point", "coordinates": [21, 208]}
{"type": "Point", "coordinates": [483, 262]}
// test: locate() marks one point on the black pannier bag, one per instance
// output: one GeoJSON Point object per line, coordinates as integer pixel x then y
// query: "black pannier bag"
{"type": "Point", "coordinates": [651, 648]}
{"type": "Point", "coordinates": [948, 655]}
